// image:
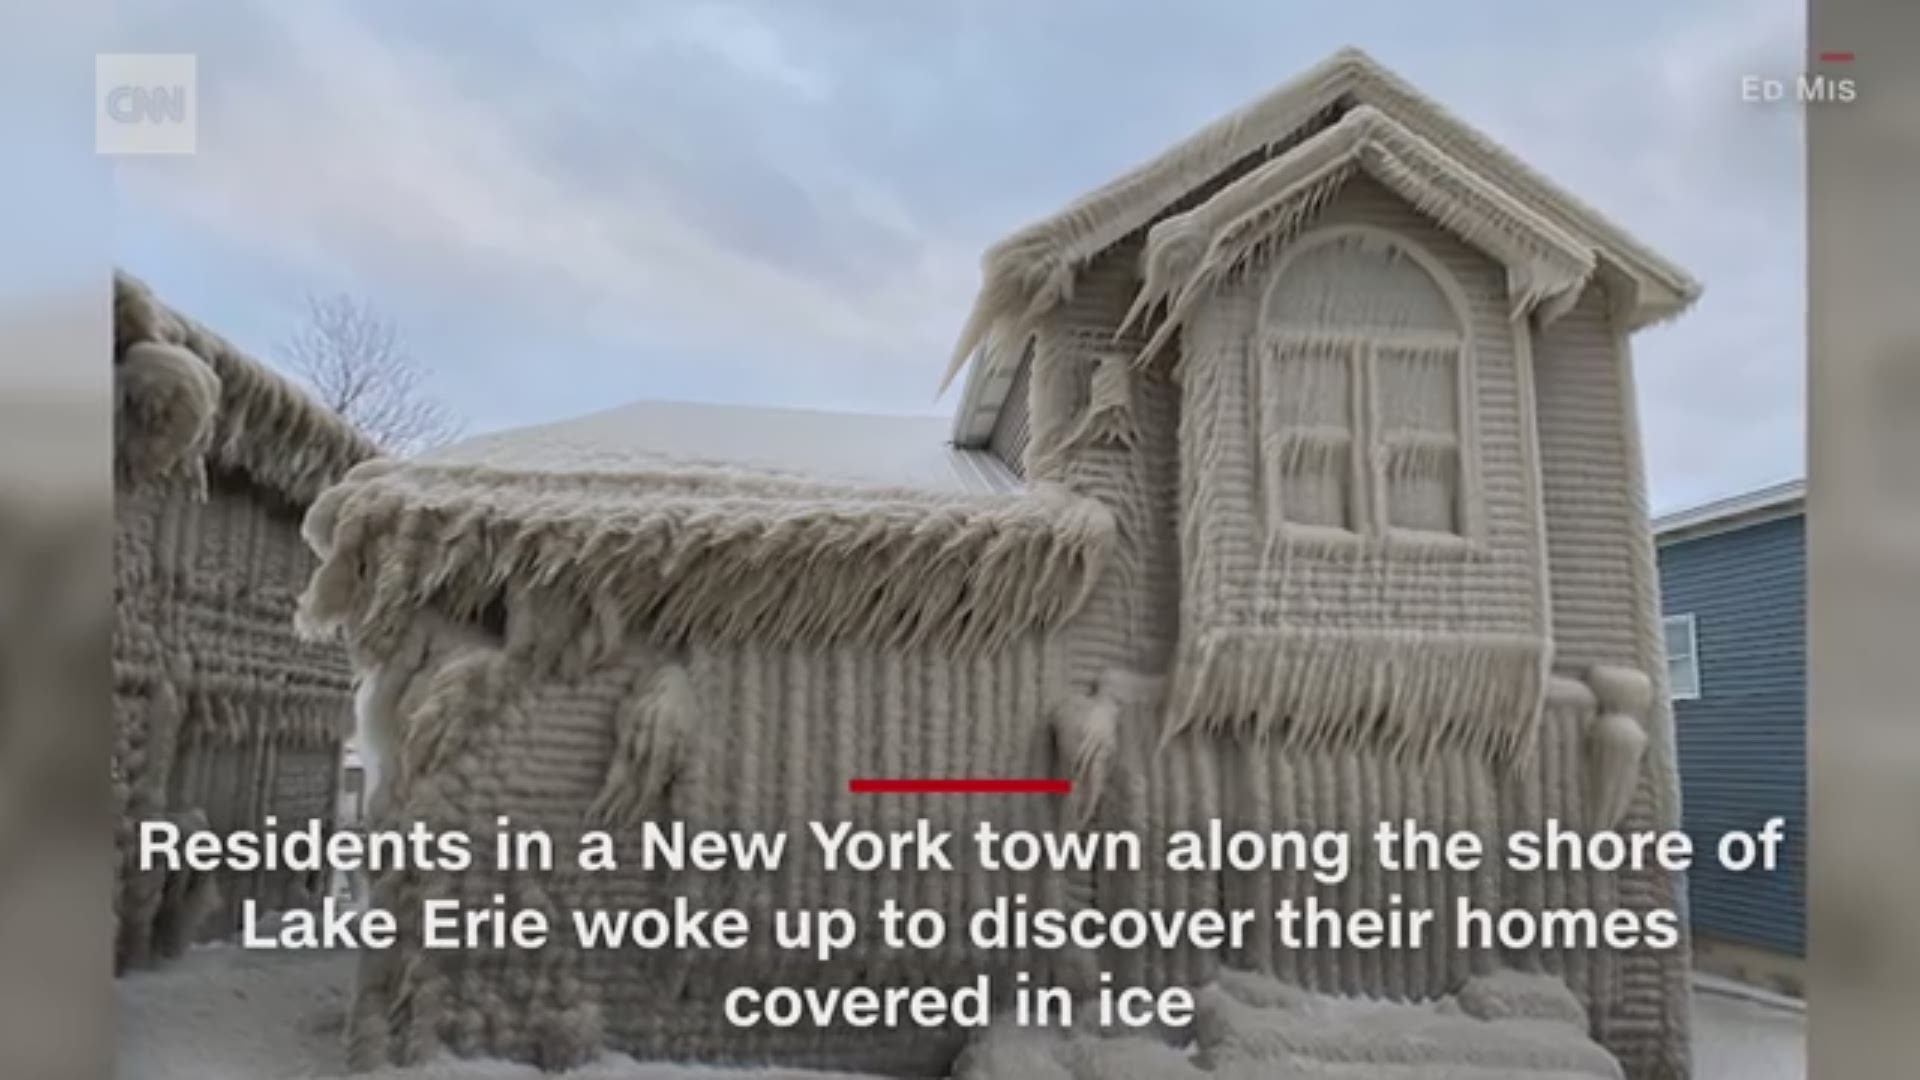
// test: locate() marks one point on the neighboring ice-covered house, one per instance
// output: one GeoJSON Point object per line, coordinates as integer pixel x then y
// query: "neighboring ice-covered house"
{"type": "Point", "coordinates": [223, 716]}
{"type": "Point", "coordinates": [1330, 511]}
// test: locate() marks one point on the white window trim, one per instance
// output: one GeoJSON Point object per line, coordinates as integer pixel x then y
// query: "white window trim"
{"type": "Point", "coordinates": [1691, 625]}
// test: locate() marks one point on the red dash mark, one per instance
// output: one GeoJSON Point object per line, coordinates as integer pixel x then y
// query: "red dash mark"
{"type": "Point", "coordinates": [960, 786]}
{"type": "Point", "coordinates": [1836, 58]}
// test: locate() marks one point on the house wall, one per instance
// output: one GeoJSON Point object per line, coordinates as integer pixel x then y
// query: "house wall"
{"type": "Point", "coordinates": [1743, 741]}
{"type": "Point", "coordinates": [1587, 468]}
{"type": "Point", "coordinates": [220, 708]}
{"type": "Point", "coordinates": [1605, 596]}
{"type": "Point", "coordinates": [147, 674]}
{"type": "Point", "coordinates": [1569, 391]}
{"type": "Point", "coordinates": [734, 738]}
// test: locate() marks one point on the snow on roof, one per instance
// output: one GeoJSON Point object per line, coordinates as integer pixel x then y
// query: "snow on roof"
{"type": "Point", "coordinates": [1188, 253]}
{"type": "Point", "coordinates": [586, 547]}
{"type": "Point", "coordinates": [900, 451]}
{"type": "Point", "coordinates": [187, 398]}
{"type": "Point", "coordinates": [710, 523]}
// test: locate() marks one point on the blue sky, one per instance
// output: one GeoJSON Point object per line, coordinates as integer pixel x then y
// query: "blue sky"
{"type": "Point", "coordinates": [570, 206]}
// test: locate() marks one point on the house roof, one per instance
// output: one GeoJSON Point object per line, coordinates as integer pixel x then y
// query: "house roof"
{"type": "Point", "coordinates": [1187, 253]}
{"type": "Point", "coordinates": [186, 399]}
{"type": "Point", "coordinates": [587, 548]}
{"type": "Point", "coordinates": [903, 451]}
{"type": "Point", "coordinates": [1733, 512]}
{"type": "Point", "coordinates": [680, 523]}
{"type": "Point", "coordinates": [1030, 272]}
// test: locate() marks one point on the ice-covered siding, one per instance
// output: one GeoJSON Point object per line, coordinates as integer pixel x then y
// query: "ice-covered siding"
{"type": "Point", "coordinates": [1569, 391]}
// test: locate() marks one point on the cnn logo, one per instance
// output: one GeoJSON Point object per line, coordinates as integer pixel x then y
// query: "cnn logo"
{"type": "Point", "coordinates": [145, 103]}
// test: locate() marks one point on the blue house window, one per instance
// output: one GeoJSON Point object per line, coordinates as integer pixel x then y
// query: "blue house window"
{"type": "Point", "coordinates": [1683, 657]}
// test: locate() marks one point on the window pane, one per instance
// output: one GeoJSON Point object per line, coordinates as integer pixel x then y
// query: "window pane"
{"type": "Point", "coordinates": [1306, 437]}
{"type": "Point", "coordinates": [1417, 405]}
{"type": "Point", "coordinates": [1315, 472]}
{"type": "Point", "coordinates": [1360, 281]}
{"type": "Point", "coordinates": [1683, 678]}
{"type": "Point", "coordinates": [1310, 384]}
{"type": "Point", "coordinates": [1678, 631]}
{"type": "Point", "coordinates": [1423, 480]}
{"type": "Point", "coordinates": [1419, 389]}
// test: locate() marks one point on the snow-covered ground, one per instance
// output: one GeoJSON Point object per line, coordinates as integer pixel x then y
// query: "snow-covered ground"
{"type": "Point", "coordinates": [225, 1013]}
{"type": "Point", "coordinates": [1739, 1035]}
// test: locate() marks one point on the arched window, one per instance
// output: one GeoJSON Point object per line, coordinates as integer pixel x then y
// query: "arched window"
{"type": "Point", "coordinates": [1364, 384]}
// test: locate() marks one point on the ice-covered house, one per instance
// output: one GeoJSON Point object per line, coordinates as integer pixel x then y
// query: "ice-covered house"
{"type": "Point", "coordinates": [223, 715]}
{"type": "Point", "coordinates": [1296, 481]}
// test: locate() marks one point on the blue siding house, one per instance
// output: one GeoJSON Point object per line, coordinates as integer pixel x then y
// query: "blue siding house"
{"type": "Point", "coordinates": [1733, 588]}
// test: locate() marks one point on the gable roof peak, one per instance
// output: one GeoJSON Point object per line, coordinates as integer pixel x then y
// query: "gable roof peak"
{"type": "Point", "coordinates": [1028, 273]}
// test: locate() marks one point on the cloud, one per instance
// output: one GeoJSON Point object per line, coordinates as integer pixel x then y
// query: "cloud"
{"type": "Point", "coordinates": [737, 37]}
{"type": "Point", "coordinates": [1660, 139]}
{"type": "Point", "coordinates": [1723, 391]}
{"type": "Point", "coordinates": [785, 203]}
{"type": "Point", "coordinates": [356, 150]}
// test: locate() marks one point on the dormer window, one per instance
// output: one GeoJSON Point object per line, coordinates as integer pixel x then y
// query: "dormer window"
{"type": "Point", "coordinates": [1363, 382]}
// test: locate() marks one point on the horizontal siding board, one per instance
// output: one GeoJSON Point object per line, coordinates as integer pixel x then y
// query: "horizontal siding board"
{"type": "Point", "coordinates": [1743, 742]}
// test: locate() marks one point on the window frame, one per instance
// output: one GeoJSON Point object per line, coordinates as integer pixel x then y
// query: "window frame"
{"type": "Point", "coordinates": [1692, 655]}
{"type": "Point", "coordinates": [1369, 514]}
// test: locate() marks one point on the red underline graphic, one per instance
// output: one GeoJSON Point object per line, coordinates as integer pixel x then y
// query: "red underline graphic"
{"type": "Point", "coordinates": [960, 786]}
{"type": "Point", "coordinates": [1836, 58]}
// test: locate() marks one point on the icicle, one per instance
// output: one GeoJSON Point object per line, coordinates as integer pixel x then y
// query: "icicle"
{"type": "Point", "coordinates": [652, 733]}
{"type": "Point", "coordinates": [1172, 254]}
{"type": "Point", "coordinates": [1407, 692]}
{"type": "Point", "coordinates": [1617, 740]}
{"type": "Point", "coordinates": [1189, 254]}
{"type": "Point", "coordinates": [1109, 415]}
{"type": "Point", "coordinates": [1086, 729]}
{"type": "Point", "coordinates": [683, 553]}
{"type": "Point", "coordinates": [1559, 304]}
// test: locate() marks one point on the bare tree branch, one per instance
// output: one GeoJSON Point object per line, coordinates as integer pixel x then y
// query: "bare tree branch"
{"type": "Point", "coordinates": [352, 358]}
